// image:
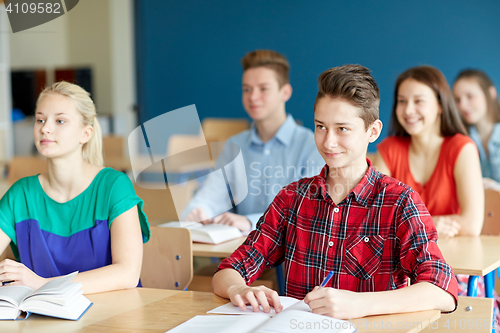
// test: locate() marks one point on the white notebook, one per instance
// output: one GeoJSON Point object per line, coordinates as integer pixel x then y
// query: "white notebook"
{"type": "Point", "coordinates": [296, 317]}
{"type": "Point", "coordinates": [207, 233]}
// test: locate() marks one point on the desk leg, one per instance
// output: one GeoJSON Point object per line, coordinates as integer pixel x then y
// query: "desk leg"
{"type": "Point", "coordinates": [472, 286]}
{"type": "Point", "coordinates": [488, 284]}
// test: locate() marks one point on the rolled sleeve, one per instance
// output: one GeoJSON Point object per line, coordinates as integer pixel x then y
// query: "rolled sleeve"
{"type": "Point", "coordinates": [264, 247]}
{"type": "Point", "coordinates": [420, 256]}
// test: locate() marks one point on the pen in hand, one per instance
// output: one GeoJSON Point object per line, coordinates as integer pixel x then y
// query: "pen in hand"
{"type": "Point", "coordinates": [326, 279]}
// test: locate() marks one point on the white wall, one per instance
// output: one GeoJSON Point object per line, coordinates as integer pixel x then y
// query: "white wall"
{"type": "Point", "coordinates": [44, 46]}
{"type": "Point", "coordinates": [89, 45]}
{"type": "Point", "coordinates": [96, 33]}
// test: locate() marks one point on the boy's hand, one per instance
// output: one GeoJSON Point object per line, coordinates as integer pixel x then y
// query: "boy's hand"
{"type": "Point", "coordinates": [255, 296]}
{"type": "Point", "coordinates": [19, 275]}
{"type": "Point", "coordinates": [238, 221]}
{"type": "Point", "coordinates": [198, 215]}
{"type": "Point", "coordinates": [340, 304]}
{"type": "Point", "coordinates": [446, 226]}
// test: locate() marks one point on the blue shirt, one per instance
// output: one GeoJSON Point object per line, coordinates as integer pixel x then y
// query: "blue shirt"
{"type": "Point", "coordinates": [490, 164]}
{"type": "Point", "coordinates": [268, 166]}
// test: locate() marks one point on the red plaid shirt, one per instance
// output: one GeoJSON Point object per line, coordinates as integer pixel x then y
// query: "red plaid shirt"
{"type": "Point", "coordinates": [373, 240]}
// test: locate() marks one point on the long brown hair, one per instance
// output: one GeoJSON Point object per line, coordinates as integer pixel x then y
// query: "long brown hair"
{"type": "Point", "coordinates": [451, 122]}
{"type": "Point", "coordinates": [485, 84]}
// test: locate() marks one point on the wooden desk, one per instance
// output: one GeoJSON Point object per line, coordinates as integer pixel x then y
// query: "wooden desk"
{"type": "Point", "coordinates": [158, 310]}
{"type": "Point", "coordinates": [471, 255]}
{"type": "Point", "coordinates": [474, 256]}
{"type": "Point", "coordinates": [222, 250]}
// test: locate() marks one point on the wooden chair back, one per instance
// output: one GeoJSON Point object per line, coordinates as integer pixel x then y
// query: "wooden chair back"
{"type": "Point", "coordinates": [491, 225]}
{"type": "Point", "coordinates": [113, 146]}
{"type": "Point", "coordinates": [221, 129]}
{"type": "Point", "coordinates": [159, 205]}
{"type": "Point", "coordinates": [178, 143]}
{"type": "Point", "coordinates": [168, 259]}
{"type": "Point", "coordinates": [469, 308]}
{"type": "Point", "coordinates": [24, 166]}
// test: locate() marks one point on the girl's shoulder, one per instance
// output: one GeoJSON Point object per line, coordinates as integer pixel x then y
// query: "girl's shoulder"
{"type": "Point", "coordinates": [111, 179]}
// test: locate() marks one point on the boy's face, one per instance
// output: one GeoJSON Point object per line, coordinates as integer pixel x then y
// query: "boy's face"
{"type": "Point", "coordinates": [262, 96]}
{"type": "Point", "coordinates": [340, 134]}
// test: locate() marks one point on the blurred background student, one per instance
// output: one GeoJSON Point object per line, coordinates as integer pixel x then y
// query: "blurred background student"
{"type": "Point", "coordinates": [430, 151]}
{"type": "Point", "coordinates": [477, 101]}
{"type": "Point", "coordinates": [79, 216]}
{"type": "Point", "coordinates": [276, 150]}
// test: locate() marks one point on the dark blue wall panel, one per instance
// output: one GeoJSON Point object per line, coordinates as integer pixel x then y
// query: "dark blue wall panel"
{"type": "Point", "coordinates": [189, 52]}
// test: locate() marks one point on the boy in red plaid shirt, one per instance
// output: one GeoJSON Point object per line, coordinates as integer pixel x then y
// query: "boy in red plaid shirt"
{"type": "Point", "coordinates": [372, 231]}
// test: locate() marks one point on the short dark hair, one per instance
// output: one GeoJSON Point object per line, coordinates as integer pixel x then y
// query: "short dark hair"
{"type": "Point", "coordinates": [353, 84]}
{"type": "Point", "coordinates": [451, 123]}
{"type": "Point", "coordinates": [269, 59]}
{"type": "Point", "coordinates": [484, 83]}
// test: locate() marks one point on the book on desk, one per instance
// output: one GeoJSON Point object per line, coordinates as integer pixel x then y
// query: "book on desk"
{"type": "Point", "coordinates": [58, 298]}
{"type": "Point", "coordinates": [296, 316]}
{"type": "Point", "coordinates": [207, 233]}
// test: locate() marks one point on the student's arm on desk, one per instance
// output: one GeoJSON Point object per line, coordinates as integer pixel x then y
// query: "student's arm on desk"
{"type": "Point", "coordinates": [124, 271]}
{"type": "Point", "coordinates": [229, 284]}
{"type": "Point", "coordinates": [15, 272]}
{"type": "Point", "coordinates": [239, 221]}
{"type": "Point", "coordinates": [470, 193]}
{"type": "Point", "coordinates": [126, 253]}
{"type": "Point", "coordinates": [343, 304]}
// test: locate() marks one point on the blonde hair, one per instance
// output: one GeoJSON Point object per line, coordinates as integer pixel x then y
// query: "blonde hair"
{"type": "Point", "coordinates": [92, 150]}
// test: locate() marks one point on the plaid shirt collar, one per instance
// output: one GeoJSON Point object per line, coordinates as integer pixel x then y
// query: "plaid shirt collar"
{"type": "Point", "coordinates": [360, 193]}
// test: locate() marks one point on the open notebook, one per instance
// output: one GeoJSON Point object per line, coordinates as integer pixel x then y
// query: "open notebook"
{"type": "Point", "coordinates": [59, 298]}
{"type": "Point", "coordinates": [295, 317]}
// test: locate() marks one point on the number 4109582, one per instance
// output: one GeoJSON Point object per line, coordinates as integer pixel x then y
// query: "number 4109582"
{"type": "Point", "coordinates": [33, 8]}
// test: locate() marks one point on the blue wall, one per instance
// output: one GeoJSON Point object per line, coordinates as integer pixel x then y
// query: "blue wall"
{"type": "Point", "coordinates": [189, 52]}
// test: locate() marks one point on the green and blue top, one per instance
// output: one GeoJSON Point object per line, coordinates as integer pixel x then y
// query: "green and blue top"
{"type": "Point", "coordinates": [53, 238]}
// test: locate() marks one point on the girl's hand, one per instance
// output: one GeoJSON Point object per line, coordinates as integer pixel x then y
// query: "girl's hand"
{"type": "Point", "coordinates": [446, 226]}
{"type": "Point", "coordinates": [20, 275]}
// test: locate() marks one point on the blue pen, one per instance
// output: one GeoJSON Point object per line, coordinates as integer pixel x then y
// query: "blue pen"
{"type": "Point", "coordinates": [327, 278]}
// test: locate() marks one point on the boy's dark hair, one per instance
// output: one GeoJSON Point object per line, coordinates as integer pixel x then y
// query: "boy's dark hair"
{"type": "Point", "coordinates": [353, 84]}
{"type": "Point", "coordinates": [484, 83]}
{"type": "Point", "coordinates": [269, 59]}
{"type": "Point", "coordinates": [451, 123]}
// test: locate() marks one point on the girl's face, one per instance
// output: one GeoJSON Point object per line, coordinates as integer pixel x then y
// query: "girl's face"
{"type": "Point", "coordinates": [59, 130]}
{"type": "Point", "coordinates": [417, 108]}
{"type": "Point", "coordinates": [471, 100]}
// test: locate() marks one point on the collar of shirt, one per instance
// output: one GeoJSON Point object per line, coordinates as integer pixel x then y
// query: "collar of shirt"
{"type": "Point", "coordinates": [283, 135]}
{"type": "Point", "coordinates": [361, 192]}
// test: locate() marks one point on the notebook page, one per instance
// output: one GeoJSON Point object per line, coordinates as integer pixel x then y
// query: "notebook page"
{"type": "Point", "coordinates": [297, 321]}
{"type": "Point", "coordinates": [13, 294]}
{"type": "Point", "coordinates": [221, 324]}
{"type": "Point", "coordinates": [229, 308]}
